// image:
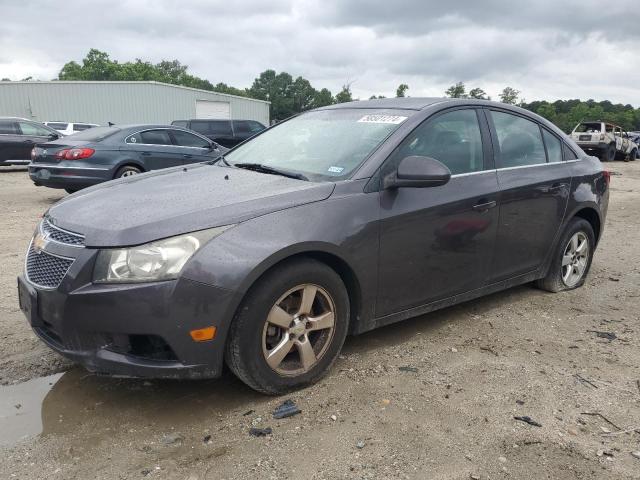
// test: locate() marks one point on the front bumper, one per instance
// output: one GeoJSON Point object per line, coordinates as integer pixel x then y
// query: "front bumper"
{"type": "Point", "coordinates": [133, 330]}
{"type": "Point", "coordinates": [66, 176]}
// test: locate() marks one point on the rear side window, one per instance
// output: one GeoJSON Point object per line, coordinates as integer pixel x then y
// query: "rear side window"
{"type": "Point", "coordinates": [453, 138]}
{"type": "Point", "coordinates": [180, 123]}
{"type": "Point", "coordinates": [201, 127]}
{"type": "Point", "coordinates": [8, 127]}
{"type": "Point", "coordinates": [554, 147]}
{"type": "Point", "coordinates": [186, 139]}
{"type": "Point", "coordinates": [220, 127]}
{"type": "Point", "coordinates": [81, 127]}
{"type": "Point", "coordinates": [519, 139]}
{"type": "Point", "coordinates": [151, 137]}
{"type": "Point", "coordinates": [568, 153]}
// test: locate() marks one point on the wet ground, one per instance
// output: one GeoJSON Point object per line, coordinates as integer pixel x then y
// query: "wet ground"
{"type": "Point", "coordinates": [473, 368]}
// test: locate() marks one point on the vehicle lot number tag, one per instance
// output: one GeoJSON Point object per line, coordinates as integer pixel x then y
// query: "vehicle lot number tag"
{"type": "Point", "coordinates": [394, 119]}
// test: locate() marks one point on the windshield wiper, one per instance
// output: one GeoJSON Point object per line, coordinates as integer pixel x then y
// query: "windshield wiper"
{"type": "Point", "coordinates": [259, 167]}
{"type": "Point", "coordinates": [219, 159]}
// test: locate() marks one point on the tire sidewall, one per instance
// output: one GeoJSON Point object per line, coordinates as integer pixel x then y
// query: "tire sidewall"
{"type": "Point", "coordinates": [127, 168]}
{"type": "Point", "coordinates": [576, 225]}
{"type": "Point", "coordinates": [255, 309]}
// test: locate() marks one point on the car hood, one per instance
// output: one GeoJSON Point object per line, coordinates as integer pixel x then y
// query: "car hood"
{"type": "Point", "coordinates": [163, 203]}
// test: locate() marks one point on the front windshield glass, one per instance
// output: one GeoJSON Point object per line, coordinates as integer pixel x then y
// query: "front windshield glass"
{"type": "Point", "coordinates": [321, 145]}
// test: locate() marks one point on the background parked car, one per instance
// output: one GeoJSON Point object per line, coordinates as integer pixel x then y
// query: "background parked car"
{"type": "Point", "coordinates": [69, 128]}
{"type": "Point", "coordinates": [104, 153]}
{"type": "Point", "coordinates": [18, 136]}
{"type": "Point", "coordinates": [225, 132]}
{"type": "Point", "coordinates": [604, 140]}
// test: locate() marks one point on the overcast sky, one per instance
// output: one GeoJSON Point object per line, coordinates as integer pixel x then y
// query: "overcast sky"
{"type": "Point", "coordinates": [546, 49]}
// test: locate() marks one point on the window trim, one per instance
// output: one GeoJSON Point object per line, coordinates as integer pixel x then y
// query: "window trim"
{"type": "Point", "coordinates": [542, 130]}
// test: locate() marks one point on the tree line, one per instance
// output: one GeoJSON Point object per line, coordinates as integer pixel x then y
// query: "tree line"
{"type": "Point", "coordinates": [289, 95]}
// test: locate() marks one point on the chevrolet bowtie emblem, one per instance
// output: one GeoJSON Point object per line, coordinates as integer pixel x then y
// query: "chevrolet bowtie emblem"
{"type": "Point", "coordinates": [39, 242]}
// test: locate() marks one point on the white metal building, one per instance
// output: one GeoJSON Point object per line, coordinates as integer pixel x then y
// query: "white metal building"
{"type": "Point", "coordinates": [123, 102]}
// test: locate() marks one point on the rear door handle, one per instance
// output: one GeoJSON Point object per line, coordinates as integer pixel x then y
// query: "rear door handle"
{"type": "Point", "coordinates": [484, 205]}
{"type": "Point", "coordinates": [187, 155]}
{"type": "Point", "coordinates": [27, 141]}
{"type": "Point", "coordinates": [558, 186]}
{"type": "Point", "coordinates": [146, 154]}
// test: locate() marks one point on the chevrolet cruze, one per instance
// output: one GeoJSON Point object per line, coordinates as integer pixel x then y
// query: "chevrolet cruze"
{"type": "Point", "coordinates": [335, 222]}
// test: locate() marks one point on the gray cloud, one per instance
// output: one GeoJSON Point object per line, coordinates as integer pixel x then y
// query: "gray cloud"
{"type": "Point", "coordinates": [560, 49]}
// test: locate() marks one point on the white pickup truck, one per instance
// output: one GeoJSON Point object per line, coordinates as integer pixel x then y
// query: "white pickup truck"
{"type": "Point", "coordinates": [604, 140]}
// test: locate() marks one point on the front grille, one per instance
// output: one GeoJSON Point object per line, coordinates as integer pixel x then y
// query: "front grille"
{"type": "Point", "coordinates": [61, 236]}
{"type": "Point", "coordinates": [45, 270]}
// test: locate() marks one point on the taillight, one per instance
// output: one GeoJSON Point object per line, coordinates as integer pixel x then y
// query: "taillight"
{"type": "Point", "coordinates": [74, 153]}
{"type": "Point", "coordinates": [607, 176]}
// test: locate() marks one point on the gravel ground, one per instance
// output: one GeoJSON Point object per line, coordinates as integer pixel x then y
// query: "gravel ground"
{"type": "Point", "coordinates": [450, 415]}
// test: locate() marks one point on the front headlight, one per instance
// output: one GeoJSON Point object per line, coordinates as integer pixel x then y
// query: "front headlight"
{"type": "Point", "coordinates": [159, 260]}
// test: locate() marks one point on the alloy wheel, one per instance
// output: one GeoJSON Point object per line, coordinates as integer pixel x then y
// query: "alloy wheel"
{"type": "Point", "coordinates": [128, 173]}
{"type": "Point", "coordinates": [298, 330]}
{"type": "Point", "coordinates": [575, 259]}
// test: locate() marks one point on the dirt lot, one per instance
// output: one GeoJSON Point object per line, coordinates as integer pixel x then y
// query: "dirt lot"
{"type": "Point", "coordinates": [473, 368]}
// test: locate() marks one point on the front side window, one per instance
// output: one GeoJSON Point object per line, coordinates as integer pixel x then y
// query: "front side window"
{"type": "Point", "coordinates": [155, 137]}
{"type": "Point", "coordinates": [554, 147]}
{"type": "Point", "coordinates": [322, 145]}
{"type": "Point", "coordinates": [519, 139]}
{"type": "Point", "coordinates": [186, 139]}
{"type": "Point", "coordinates": [220, 127]}
{"type": "Point", "coordinates": [34, 130]}
{"type": "Point", "coordinates": [57, 125]}
{"type": "Point", "coordinates": [201, 127]}
{"type": "Point", "coordinates": [81, 127]}
{"type": "Point", "coordinates": [589, 127]}
{"type": "Point", "coordinates": [452, 138]}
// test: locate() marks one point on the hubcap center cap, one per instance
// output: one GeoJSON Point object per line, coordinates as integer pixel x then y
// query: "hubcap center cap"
{"type": "Point", "coordinates": [298, 328]}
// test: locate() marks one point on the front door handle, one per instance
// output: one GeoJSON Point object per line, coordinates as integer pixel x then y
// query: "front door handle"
{"type": "Point", "coordinates": [187, 155]}
{"type": "Point", "coordinates": [146, 154]}
{"type": "Point", "coordinates": [27, 141]}
{"type": "Point", "coordinates": [558, 186]}
{"type": "Point", "coordinates": [484, 205]}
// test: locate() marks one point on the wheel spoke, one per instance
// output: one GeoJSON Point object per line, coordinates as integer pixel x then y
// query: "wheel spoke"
{"type": "Point", "coordinates": [574, 243]}
{"type": "Point", "coordinates": [566, 260]}
{"type": "Point", "coordinates": [279, 317]}
{"type": "Point", "coordinates": [308, 296]}
{"type": "Point", "coordinates": [277, 354]}
{"type": "Point", "coordinates": [307, 355]}
{"type": "Point", "coordinates": [582, 247]}
{"type": "Point", "coordinates": [321, 322]}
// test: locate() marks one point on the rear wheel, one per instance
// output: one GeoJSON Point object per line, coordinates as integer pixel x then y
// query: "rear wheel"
{"type": "Point", "coordinates": [71, 190]}
{"type": "Point", "coordinates": [632, 155]}
{"type": "Point", "coordinates": [127, 171]}
{"type": "Point", "coordinates": [290, 328]}
{"type": "Point", "coordinates": [572, 258]}
{"type": "Point", "coordinates": [608, 153]}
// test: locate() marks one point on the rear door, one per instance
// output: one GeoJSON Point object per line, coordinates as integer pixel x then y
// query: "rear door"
{"type": "Point", "coordinates": [154, 149]}
{"type": "Point", "coordinates": [534, 186]}
{"type": "Point", "coordinates": [438, 242]}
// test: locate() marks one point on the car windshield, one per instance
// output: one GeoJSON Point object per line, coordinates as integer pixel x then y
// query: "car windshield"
{"type": "Point", "coordinates": [95, 134]}
{"type": "Point", "coordinates": [588, 128]}
{"type": "Point", "coordinates": [322, 145]}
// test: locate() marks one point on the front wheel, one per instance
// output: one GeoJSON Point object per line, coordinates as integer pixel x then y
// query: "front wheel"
{"type": "Point", "coordinates": [290, 327]}
{"type": "Point", "coordinates": [572, 258]}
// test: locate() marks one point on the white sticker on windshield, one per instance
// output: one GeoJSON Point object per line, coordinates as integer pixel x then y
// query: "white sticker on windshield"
{"type": "Point", "coordinates": [335, 169]}
{"type": "Point", "coordinates": [394, 119]}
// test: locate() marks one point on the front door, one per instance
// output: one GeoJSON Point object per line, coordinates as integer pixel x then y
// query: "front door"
{"type": "Point", "coordinates": [533, 193]}
{"type": "Point", "coordinates": [30, 135]}
{"type": "Point", "coordinates": [437, 242]}
{"type": "Point", "coordinates": [193, 148]}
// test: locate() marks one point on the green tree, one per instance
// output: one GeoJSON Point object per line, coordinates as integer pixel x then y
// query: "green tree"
{"type": "Point", "coordinates": [344, 95]}
{"type": "Point", "coordinates": [323, 98]}
{"type": "Point", "coordinates": [402, 90]}
{"type": "Point", "coordinates": [478, 93]}
{"type": "Point", "coordinates": [456, 91]}
{"type": "Point", "coordinates": [509, 96]}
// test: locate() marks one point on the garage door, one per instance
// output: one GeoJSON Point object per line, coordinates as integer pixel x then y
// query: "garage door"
{"type": "Point", "coordinates": [211, 109]}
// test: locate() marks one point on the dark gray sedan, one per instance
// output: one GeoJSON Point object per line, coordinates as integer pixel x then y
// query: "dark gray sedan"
{"type": "Point", "coordinates": [105, 153]}
{"type": "Point", "coordinates": [337, 221]}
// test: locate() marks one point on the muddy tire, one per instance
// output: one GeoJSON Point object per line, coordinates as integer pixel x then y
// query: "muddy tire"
{"type": "Point", "coordinates": [290, 328]}
{"type": "Point", "coordinates": [632, 155]}
{"type": "Point", "coordinates": [608, 153]}
{"type": "Point", "coordinates": [572, 258]}
{"type": "Point", "coordinates": [71, 190]}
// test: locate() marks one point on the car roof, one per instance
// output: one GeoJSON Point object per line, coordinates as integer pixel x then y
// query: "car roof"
{"type": "Point", "coordinates": [417, 103]}
{"type": "Point", "coordinates": [19, 118]}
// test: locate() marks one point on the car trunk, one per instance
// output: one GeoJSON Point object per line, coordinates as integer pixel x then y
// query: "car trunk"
{"type": "Point", "coordinates": [46, 152]}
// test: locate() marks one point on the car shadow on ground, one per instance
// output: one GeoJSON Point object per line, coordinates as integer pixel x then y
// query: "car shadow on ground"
{"type": "Point", "coordinates": [79, 398]}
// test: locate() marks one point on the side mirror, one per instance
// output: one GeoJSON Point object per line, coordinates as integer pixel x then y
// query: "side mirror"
{"type": "Point", "coordinates": [418, 172]}
{"type": "Point", "coordinates": [213, 146]}
{"type": "Point", "coordinates": [54, 136]}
